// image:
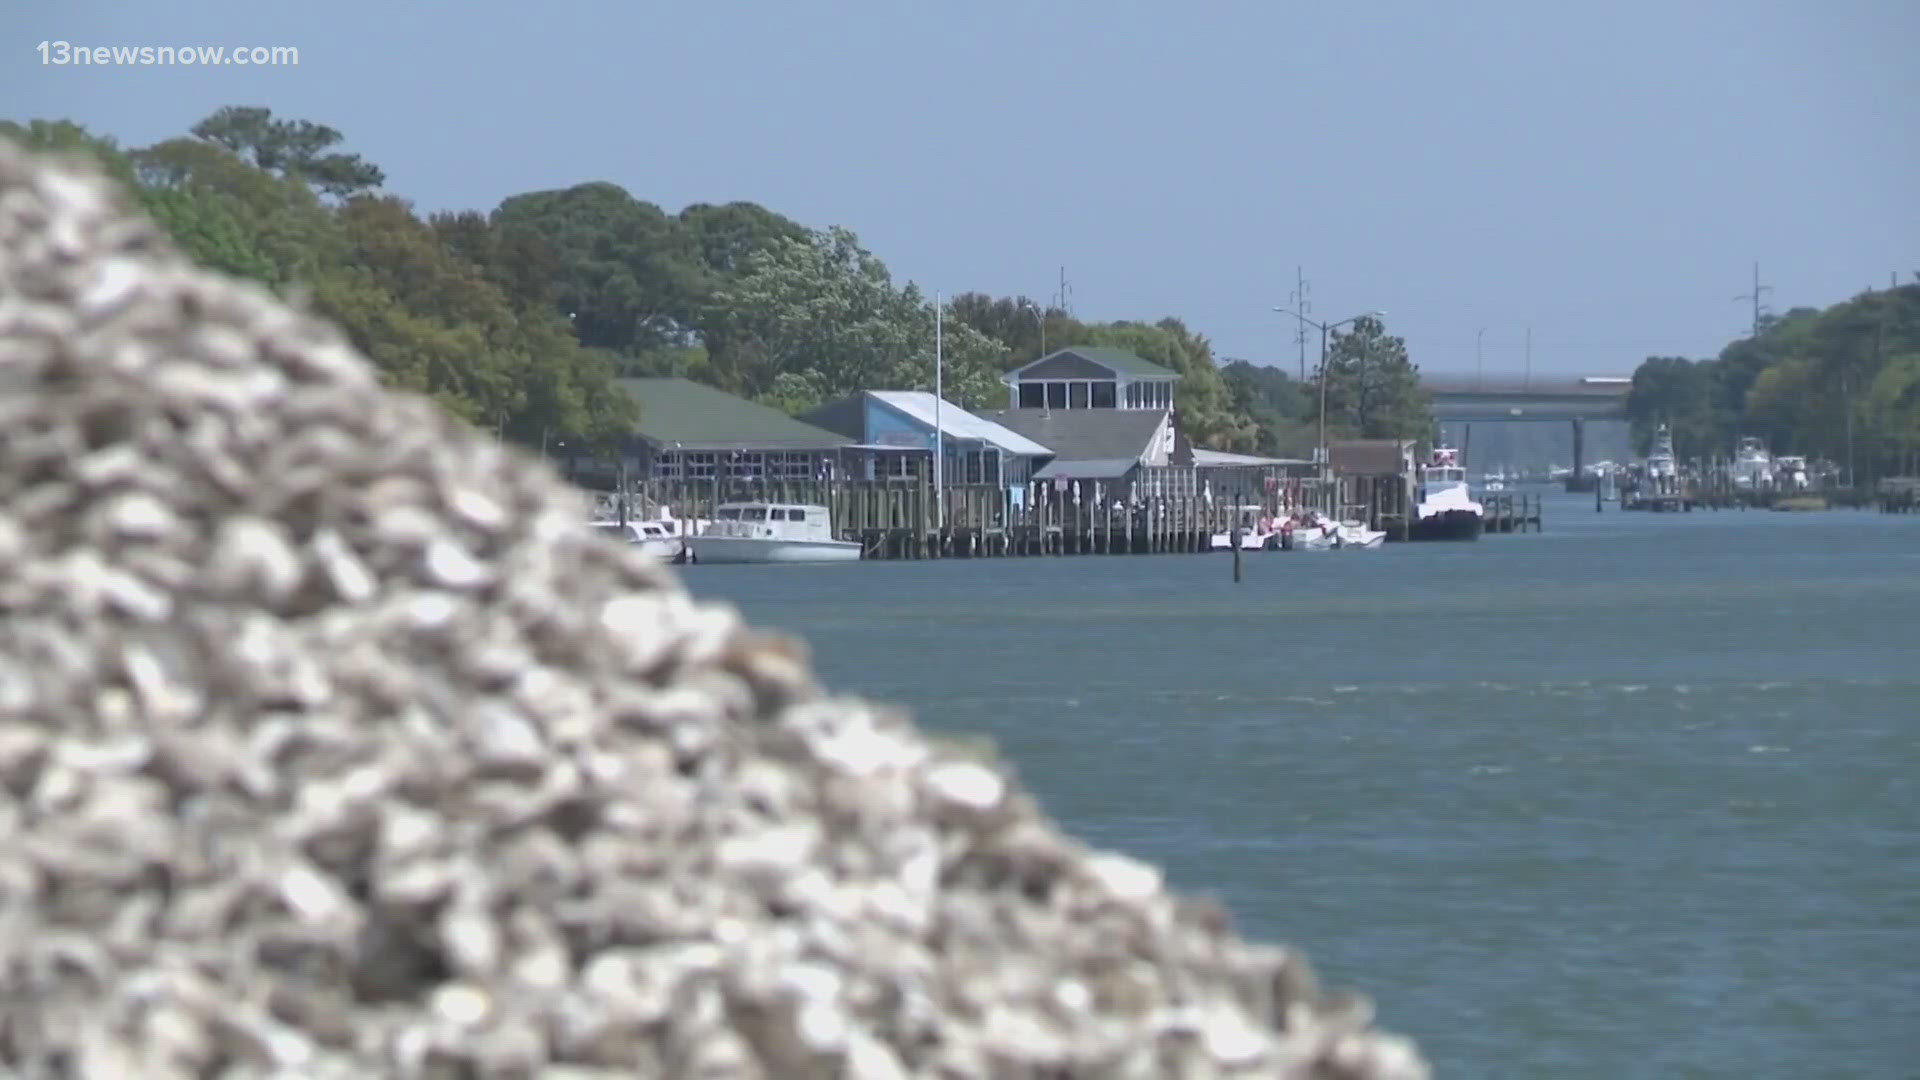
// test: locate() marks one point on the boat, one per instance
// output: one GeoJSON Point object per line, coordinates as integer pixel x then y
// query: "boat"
{"type": "Point", "coordinates": [655, 538]}
{"type": "Point", "coordinates": [1494, 484]}
{"type": "Point", "coordinates": [1316, 533]}
{"type": "Point", "coordinates": [1791, 473]}
{"type": "Point", "coordinates": [1663, 469]}
{"type": "Point", "coordinates": [1752, 464]}
{"type": "Point", "coordinates": [760, 532]}
{"type": "Point", "coordinates": [1445, 508]}
{"type": "Point", "coordinates": [1258, 531]}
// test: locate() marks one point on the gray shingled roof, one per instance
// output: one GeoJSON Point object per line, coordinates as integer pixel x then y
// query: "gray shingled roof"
{"type": "Point", "coordinates": [1085, 434]}
{"type": "Point", "coordinates": [699, 417]}
{"type": "Point", "coordinates": [1120, 360]}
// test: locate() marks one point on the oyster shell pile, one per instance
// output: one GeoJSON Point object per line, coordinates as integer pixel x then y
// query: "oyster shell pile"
{"type": "Point", "coordinates": [332, 744]}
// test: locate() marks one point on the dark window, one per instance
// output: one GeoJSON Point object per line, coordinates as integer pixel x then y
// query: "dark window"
{"type": "Point", "coordinates": [973, 466]}
{"type": "Point", "coordinates": [1056, 395]}
{"type": "Point", "coordinates": [1077, 395]}
{"type": "Point", "coordinates": [1103, 395]}
{"type": "Point", "coordinates": [990, 467]}
{"type": "Point", "coordinates": [1133, 395]}
{"type": "Point", "coordinates": [1033, 395]}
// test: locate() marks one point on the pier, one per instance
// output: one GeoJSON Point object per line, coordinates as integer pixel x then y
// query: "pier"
{"type": "Point", "coordinates": [898, 520]}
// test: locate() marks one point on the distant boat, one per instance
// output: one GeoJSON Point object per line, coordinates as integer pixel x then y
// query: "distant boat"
{"type": "Point", "coordinates": [758, 532]}
{"type": "Point", "coordinates": [1752, 464]}
{"type": "Point", "coordinates": [1446, 509]}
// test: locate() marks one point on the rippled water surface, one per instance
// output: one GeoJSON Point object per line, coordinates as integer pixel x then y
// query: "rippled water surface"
{"type": "Point", "coordinates": [1631, 797]}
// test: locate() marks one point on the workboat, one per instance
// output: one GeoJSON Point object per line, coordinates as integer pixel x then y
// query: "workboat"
{"type": "Point", "coordinates": [759, 532]}
{"type": "Point", "coordinates": [1258, 531]}
{"type": "Point", "coordinates": [1445, 508]}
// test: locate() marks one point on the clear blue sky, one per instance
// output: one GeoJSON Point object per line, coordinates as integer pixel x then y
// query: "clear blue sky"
{"type": "Point", "coordinates": [1608, 176]}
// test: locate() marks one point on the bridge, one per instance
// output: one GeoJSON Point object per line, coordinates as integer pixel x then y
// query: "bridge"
{"type": "Point", "coordinates": [1507, 397]}
{"type": "Point", "coordinates": [1470, 397]}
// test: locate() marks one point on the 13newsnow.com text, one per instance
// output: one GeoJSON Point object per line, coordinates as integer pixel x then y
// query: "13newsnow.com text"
{"type": "Point", "coordinates": [67, 54]}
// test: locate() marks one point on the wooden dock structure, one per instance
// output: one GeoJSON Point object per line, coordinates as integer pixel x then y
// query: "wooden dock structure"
{"type": "Point", "coordinates": [898, 520]}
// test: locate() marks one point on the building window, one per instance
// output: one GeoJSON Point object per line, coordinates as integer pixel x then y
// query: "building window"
{"type": "Point", "coordinates": [700, 465]}
{"type": "Point", "coordinates": [1133, 395]}
{"type": "Point", "coordinates": [1103, 395]}
{"type": "Point", "coordinates": [1077, 395]}
{"type": "Point", "coordinates": [746, 466]}
{"type": "Point", "coordinates": [990, 467]}
{"type": "Point", "coordinates": [1033, 395]}
{"type": "Point", "coordinates": [973, 466]}
{"type": "Point", "coordinates": [795, 467]}
{"type": "Point", "coordinates": [1056, 395]}
{"type": "Point", "coordinates": [667, 466]}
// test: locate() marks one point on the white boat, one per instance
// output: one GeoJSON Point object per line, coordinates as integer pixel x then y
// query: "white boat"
{"type": "Point", "coordinates": [1316, 533]}
{"type": "Point", "coordinates": [758, 532]}
{"type": "Point", "coordinates": [1258, 531]}
{"type": "Point", "coordinates": [1791, 473]}
{"type": "Point", "coordinates": [1494, 484]}
{"type": "Point", "coordinates": [656, 538]}
{"type": "Point", "coordinates": [1752, 464]}
{"type": "Point", "coordinates": [1445, 508]}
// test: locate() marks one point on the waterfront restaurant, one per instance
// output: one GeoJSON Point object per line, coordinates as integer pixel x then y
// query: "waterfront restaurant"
{"type": "Point", "coordinates": [687, 431]}
{"type": "Point", "coordinates": [898, 427]}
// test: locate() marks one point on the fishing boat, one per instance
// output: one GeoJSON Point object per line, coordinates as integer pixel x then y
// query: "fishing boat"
{"type": "Point", "coordinates": [1752, 465]}
{"type": "Point", "coordinates": [1317, 533]}
{"type": "Point", "coordinates": [1258, 531]}
{"type": "Point", "coordinates": [759, 532]}
{"type": "Point", "coordinates": [1445, 508]}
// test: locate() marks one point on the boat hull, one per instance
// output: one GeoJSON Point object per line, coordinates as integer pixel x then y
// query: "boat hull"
{"type": "Point", "coordinates": [1448, 525]}
{"type": "Point", "coordinates": [749, 549]}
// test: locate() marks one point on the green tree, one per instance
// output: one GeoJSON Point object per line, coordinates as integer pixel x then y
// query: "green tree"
{"type": "Point", "coordinates": [297, 149]}
{"type": "Point", "coordinates": [812, 320]}
{"type": "Point", "coordinates": [626, 275]}
{"type": "Point", "coordinates": [1273, 402]}
{"type": "Point", "coordinates": [1373, 390]}
{"type": "Point", "coordinates": [1680, 393]}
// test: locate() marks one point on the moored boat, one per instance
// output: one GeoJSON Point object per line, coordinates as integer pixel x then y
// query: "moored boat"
{"type": "Point", "coordinates": [758, 532]}
{"type": "Point", "coordinates": [1445, 508]}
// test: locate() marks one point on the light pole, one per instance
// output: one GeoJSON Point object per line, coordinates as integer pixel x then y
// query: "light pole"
{"type": "Point", "coordinates": [1040, 319]}
{"type": "Point", "coordinates": [1323, 328]}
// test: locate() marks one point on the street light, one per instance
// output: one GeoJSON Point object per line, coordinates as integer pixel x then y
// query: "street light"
{"type": "Point", "coordinates": [1040, 318]}
{"type": "Point", "coordinates": [1323, 328]}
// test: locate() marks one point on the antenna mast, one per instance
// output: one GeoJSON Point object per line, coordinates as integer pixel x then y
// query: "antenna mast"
{"type": "Point", "coordinates": [1758, 292]}
{"type": "Point", "coordinates": [1063, 299]}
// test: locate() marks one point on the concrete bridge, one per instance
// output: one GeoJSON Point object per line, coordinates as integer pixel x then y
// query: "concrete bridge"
{"type": "Point", "coordinates": [1503, 396]}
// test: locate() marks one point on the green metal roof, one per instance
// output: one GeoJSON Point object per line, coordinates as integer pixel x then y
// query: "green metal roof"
{"type": "Point", "coordinates": [681, 411]}
{"type": "Point", "coordinates": [1120, 360]}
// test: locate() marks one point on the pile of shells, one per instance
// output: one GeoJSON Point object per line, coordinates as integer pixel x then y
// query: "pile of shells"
{"type": "Point", "coordinates": [332, 744]}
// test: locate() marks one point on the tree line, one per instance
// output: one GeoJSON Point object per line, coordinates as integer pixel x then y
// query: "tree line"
{"type": "Point", "coordinates": [1840, 384]}
{"type": "Point", "coordinates": [520, 319]}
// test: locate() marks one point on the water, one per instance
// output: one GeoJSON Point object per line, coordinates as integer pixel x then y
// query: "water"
{"type": "Point", "coordinates": [1633, 797]}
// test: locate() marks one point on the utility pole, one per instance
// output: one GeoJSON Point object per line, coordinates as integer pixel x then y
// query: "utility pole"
{"type": "Point", "coordinates": [939, 435]}
{"type": "Point", "coordinates": [1758, 292]}
{"type": "Point", "coordinates": [1304, 306]}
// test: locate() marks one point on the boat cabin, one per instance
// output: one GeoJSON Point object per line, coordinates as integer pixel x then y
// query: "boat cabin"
{"type": "Point", "coordinates": [773, 521]}
{"type": "Point", "coordinates": [634, 532]}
